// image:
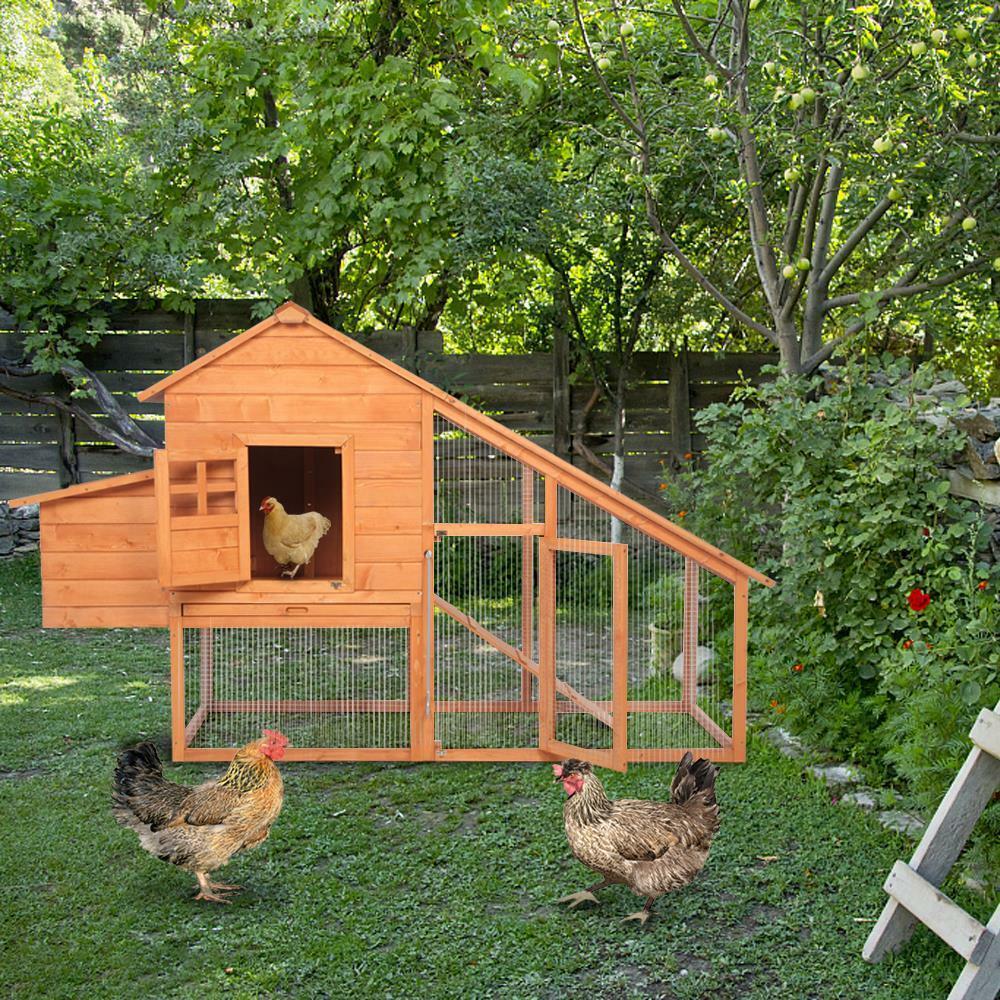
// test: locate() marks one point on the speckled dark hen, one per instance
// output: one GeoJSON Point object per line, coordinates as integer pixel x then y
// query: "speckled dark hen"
{"type": "Point", "coordinates": [652, 847]}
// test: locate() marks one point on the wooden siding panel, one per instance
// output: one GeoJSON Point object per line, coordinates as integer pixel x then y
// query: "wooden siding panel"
{"type": "Point", "coordinates": [381, 576]}
{"type": "Point", "coordinates": [218, 435]}
{"type": "Point", "coordinates": [205, 560]}
{"type": "Point", "coordinates": [279, 378]}
{"type": "Point", "coordinates": [104, 617]}
{"type": "Point", "coordinates": [385, 520]}
{"type": "Point", "coordinates": [386, 493]}
{"type": "Point", "coordinates": [102, 509]}
{"type": "Point", "coordinates": [388, 548]}
{"type": "Point", "coordinates": [387, 464]}
{"type": "Point", "coordinates": [96, 537]}
{"type": "Point", "coordinates": [267, 411]}
{"type": "Point", "coordinates": [98, 565]}
{"type": "Point", "coordinates": [105, 593]}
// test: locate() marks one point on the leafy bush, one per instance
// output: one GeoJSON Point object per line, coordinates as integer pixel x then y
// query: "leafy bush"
{"type": "Point", "coordinates": [833, 486]}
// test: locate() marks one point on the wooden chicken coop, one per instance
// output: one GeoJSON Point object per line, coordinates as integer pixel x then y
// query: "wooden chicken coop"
{"type": "Point", "coordinates": [476, 598]}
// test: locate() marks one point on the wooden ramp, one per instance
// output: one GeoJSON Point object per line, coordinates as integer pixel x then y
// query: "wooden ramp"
{"type": "Point", "coordinates": [913, 888]}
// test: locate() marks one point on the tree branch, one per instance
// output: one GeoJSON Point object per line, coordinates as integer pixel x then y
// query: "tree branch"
{"type": "Point", "coordinates": [863, 228]}
{"type": "Point", "coordinates": [902, 291]}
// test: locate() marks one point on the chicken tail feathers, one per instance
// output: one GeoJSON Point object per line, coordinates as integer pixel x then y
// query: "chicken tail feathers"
{"type": "Point", "coordinates": [694, 781]}
{"type": "Point", "coordinates": [140, 790]}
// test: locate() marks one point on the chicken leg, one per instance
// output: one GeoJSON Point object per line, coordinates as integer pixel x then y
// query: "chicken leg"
{"type": "Point", "coordinates": [576, 899]}
{"type": "Point", "coordinates": [291, 575]}
{"type": "Point", "coordinates": [644, 914]}
{"type": "Point", "coordinates": [208, 890]}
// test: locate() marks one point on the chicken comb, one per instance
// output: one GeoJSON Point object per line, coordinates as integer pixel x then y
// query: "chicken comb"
{"type": "Point", "coordinates": [275, 737]}
{"type": "Point", "coordinates": [557, 770]}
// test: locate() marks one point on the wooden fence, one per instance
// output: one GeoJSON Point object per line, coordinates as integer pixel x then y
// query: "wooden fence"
{"type": "Point", "coordinates": [534, 394]}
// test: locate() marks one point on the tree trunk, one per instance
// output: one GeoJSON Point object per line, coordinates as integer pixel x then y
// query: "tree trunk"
{"type": "Point", "coordinates": [618, 449]}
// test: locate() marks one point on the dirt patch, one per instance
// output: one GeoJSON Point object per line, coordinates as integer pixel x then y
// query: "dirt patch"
{"type": "Point", "coordinates": [28, 772]}
{"type": "Point", "coordinates": [692, 963]}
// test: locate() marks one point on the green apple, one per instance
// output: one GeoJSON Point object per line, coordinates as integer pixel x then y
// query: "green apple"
{"type": "Point", "coordinates": [938, 35]}
{"type": "Point", "coordinates": [883, 144]}
{"type": "Point", "coordinates": [754, 4]}
{"type": "Point", "coordinates": [604, 64]}
{"type": "Point", "coordinates": [996, 263]}
{"type": "Point", "coordinates": [918, 48]}
{"type": "Point", "coordinates": [788, 271]}
{"type": "Point", "coordinates": [711, 80]}
{"type": "Point", "coordinates": [859, 72]}
{"type": "Point", "coordinates": [554, 27]}
{"type": "Point", "coordinates": [796, 101]}
{"type": "Point", "coordinates": [894, 193]}
{"type": "Point", "coordinates": [792, 174]}
{"type": "Point", "coordinates": [627, 29]}
{"type": "Point", "coordinates": [862, 189]}
{"type": "Point", "coordinates": [803, 264]}
{"type": "Point", "coordinates": [969, 223]}
{"type": "Point", "coordinates": [770, 68]}
{"type": "Point", "coordinates": [807, 94]}
{"type": "Point", "coordinates": [972, 59]}
{"type": "Point", "coordinates": [716, 134]}
{"type": "Point", "coordinates": [961, 32]}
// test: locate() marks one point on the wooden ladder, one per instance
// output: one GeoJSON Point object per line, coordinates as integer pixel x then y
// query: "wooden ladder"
{"type": "Point", "coordinates": [913, 888]}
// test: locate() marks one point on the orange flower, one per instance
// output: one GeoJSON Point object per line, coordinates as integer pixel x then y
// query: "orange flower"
{"type": "Point", "coordinates": [908, 644]}
{"type": "Point", "coordinates": [930, 645]}
{"type": "Point", "coordinates": [798, 668]}
{"type": "Point", "coordinates": [689, 454]}
{"type": "Point", "coordinates": [982, 585]}
{"type": "Point", "coordinates": [682, 513]}
{"type": "Point", "coordinates": [662, 486]}
{"type": "Point", "coordinates": [774, 703]}
{"type": "Point", "coordinates": [780, 710]}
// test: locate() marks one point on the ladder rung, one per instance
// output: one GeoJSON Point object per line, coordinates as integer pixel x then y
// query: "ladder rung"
{"type": "Point", "coordinates": [930, 906]}
{"type": "Point", "coordinates": [985, 732]}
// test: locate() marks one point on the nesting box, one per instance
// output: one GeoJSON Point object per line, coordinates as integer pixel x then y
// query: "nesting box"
{"type": "Point", "coordinates": [476, 597]}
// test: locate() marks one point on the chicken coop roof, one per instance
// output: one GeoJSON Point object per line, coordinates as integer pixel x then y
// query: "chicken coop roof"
{"type": "Point", "coordinates": [97, 486]}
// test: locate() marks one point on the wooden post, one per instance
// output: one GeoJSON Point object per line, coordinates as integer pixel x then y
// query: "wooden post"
{"type": "Point", "coordinates": [547, 619]}
{"type": "Point", "coordinates": [619, 690]}
{"type": "Point", "coordinates": [190, 345]}
{"type": "Point", "coordinates": [207, 687]}
{"type": "Point", "coordinates": [689, 685]}
{"type": "Point", "coordinates": [561, 404]}
{"type": "Point", "coordinates": [679, 401]}
{"type": "Point", "coordinates": [309, 500]}
{"type": "Point", "coordinates": [527, 580]}
{"type": "Point", "coordinates": [69, 461]}
{"type": "Point", "coordinates": [740, 618]}
{"type": "Point", "coordinates": [176, 688]}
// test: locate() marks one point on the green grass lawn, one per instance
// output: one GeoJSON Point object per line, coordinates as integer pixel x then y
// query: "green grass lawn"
{"type": "Point", "coordinates": [429, 880]}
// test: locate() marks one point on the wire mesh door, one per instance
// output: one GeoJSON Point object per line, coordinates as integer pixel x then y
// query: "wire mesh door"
{"type": "Point", "coordinates": [583, 612]}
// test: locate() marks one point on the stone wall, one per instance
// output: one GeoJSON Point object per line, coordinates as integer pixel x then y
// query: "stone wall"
{"type": "Point", "coordinates": [18, 530]}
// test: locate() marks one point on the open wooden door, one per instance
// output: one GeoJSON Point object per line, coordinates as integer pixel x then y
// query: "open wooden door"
{"type": "Point", "coordinates": [583, 688]}
{"type": "Point", "coordinates": [203, 518]}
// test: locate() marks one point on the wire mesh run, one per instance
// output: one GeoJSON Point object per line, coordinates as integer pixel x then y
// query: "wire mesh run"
{"type": "Point", "coordinates": [322, 687]}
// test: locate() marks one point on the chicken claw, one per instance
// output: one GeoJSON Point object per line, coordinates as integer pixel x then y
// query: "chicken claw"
{"type": "Point", "coordinates": [579, 898]}
{"type": "Point", "coordinates": [211, 897]}
{"type": "Point", "coordinates": [641, 915]}
{"type": "Point", "coordinates": [209, 890]}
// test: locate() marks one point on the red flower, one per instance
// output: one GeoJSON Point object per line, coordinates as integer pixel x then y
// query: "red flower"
{"type": "Point", "coordinates": [908, 644]}
{"type": "Point", "coordinates": [774, 703]}
{"type": "Point", "coordinates": [929, 645]}
{"type": "Point", "coordinates": [982, 585]}
{"type": "Point", "coordinates": [797, 668]}
{"type": "Point", "coordinates": [918, 600]}
{"type": "Point", "coordinates": [927, 532]}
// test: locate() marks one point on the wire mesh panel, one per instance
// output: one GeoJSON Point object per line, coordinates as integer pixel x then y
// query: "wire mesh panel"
{"type": "Point", "coordinates": [584, 649]}
{"type": "Point", "coordinates": [322, 687]}
{"type": "Point", "coordinates": [477, 483]}
{"type": "Point", "coordinates": [670, 598]}
{"type": "Point", "coordinates": [484, 688]}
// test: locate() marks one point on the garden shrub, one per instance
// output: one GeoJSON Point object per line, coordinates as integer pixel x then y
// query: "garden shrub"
{"type": "Point", "coordinates": [881, 641]}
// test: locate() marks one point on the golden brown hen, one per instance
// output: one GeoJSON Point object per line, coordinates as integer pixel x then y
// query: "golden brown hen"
{"type": "Point", "coordinates": [291, 538]}
{"type": "Point", "coordinates": [201, 828]}
{"type": "Point", "coordinates": [652, 847]}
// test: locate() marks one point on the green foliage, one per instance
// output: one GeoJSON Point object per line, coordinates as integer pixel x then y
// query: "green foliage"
{"type": "Point", "coordinates": [835, 490]}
